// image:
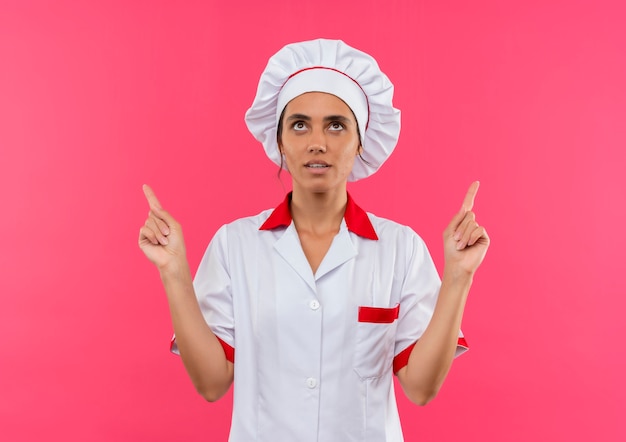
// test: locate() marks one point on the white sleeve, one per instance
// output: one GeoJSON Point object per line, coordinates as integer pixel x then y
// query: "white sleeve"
{"type": "Point", "coordinates": [420, 290]}
{"type": "Point", "coordinates": [212, 285]}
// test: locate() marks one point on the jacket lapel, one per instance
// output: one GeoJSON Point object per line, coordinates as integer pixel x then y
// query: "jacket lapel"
{"type": "Point", "coordinates": [341, 250]}
{"type": "Point", "coordinates": [289, 248]}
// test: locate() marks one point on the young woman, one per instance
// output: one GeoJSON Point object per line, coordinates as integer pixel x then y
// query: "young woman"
{"type": "Point", "coordinates": [320, 301]}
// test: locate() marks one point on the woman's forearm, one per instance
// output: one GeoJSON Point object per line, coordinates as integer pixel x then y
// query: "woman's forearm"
{"type": "Point", "coordinates": [200, 350]}
{"type": "Point", "coordinates": [432, 356]}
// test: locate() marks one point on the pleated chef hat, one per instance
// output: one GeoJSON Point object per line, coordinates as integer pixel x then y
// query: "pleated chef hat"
{"type": "Point", "coordinates": [333, 67]}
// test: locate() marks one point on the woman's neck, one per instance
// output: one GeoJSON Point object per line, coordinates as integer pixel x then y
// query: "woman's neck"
{"type": "Point", "coordinates": [318, 213]}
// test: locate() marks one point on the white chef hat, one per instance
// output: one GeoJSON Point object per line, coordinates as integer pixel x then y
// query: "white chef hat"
{"type": "Point", "coordinates": [333, 67]}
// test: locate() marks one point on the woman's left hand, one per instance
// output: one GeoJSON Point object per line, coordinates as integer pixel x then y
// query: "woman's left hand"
{"type": "Point", "coordinates": [465, 241]}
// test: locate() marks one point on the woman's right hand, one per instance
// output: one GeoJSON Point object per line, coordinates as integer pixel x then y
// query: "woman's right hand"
{"type": "Point", "coordinates": [161, 237]}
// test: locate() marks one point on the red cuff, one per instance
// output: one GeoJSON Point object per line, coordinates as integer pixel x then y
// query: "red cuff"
{"type": "Point", "coordinates": [228, 350]}
{"type": "Point", "coordinates": [402, 358]}
{"type": "Point", "coordinates": [462, 343]}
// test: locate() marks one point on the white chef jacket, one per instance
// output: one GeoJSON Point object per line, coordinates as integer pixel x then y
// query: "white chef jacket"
{"type": "Point", "coordinates": [315, 353]}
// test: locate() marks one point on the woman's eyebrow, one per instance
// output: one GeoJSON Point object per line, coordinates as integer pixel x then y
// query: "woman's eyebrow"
{"type": "Point", "coordinates": [298, 117]}
{"type": "Point", "coordinates": [340, 118]}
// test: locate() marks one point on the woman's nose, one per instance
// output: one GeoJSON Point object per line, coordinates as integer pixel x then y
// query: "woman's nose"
{"type": "Point", "coordinates": [317, 141]}
{"type": "Point", "coordinates": [316, 148]}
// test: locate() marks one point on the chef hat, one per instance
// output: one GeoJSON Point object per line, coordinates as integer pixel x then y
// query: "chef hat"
{"type": "Point", "coordinates": [333, 67]}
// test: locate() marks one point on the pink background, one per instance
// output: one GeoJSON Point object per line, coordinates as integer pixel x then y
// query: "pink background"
{"type": "Point", "coordinates": [97, 98]}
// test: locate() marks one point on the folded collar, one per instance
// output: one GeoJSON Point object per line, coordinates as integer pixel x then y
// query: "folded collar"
{"type": "Point", "coordinates": [357, 220]}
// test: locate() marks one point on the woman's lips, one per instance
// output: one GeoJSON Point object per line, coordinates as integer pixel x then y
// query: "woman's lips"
{"type": "Point", "coordinates": [317, 166]}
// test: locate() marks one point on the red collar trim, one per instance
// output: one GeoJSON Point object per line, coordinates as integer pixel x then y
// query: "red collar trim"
{"type": "Point", "coordinates": [357, 220]}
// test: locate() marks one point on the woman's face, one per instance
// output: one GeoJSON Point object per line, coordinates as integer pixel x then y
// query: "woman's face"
{"type": "Point", "coordinates": [320, 142]}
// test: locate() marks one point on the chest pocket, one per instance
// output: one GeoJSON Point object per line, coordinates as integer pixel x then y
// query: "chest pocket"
{"type": "Point", "coordinates": [375, 339]}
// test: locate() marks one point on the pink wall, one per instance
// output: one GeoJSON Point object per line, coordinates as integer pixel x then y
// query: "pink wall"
{"type": "Point", "coordinates": [97, 98]}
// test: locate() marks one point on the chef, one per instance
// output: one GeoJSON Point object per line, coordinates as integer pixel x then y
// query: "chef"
{"type": "Point", "coordinates": [311, 308]}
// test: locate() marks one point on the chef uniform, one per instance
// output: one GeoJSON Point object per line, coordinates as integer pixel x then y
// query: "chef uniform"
{"type": "Point", "coordinates": [314, 353]}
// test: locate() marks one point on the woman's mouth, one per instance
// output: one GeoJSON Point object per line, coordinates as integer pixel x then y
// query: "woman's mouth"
{"type": "Point", "coordinates": [316, 165]}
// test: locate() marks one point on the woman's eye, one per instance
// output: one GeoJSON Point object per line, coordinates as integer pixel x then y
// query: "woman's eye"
{"type": "Point", "coordinates": [299, 125]}
{"type": "Point", "coordinates": [336, 126]}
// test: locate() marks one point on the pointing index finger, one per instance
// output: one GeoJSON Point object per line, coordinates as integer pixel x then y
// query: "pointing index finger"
{"type": "Point", "coordinates": [468, 202]}
{"type": "Point", "coordinates": [151, 197]}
